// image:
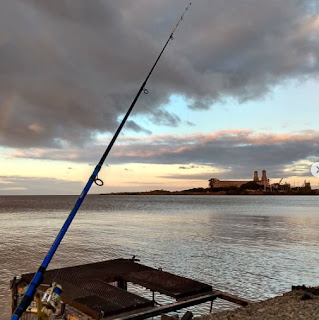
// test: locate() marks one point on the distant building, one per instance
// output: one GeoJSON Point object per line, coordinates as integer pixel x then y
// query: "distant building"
{"type": "Point", "coordinates": [277, 187]}
{"type": "Point", "coordinates": [307, 186]}
{"type": "Point", "coordinates": [216, 183]}
{"type": "Point", "coordinates": [264, 181]}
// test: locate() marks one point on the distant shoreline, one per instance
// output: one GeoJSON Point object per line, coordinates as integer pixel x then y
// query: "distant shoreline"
{"type": "Point", "coordinates": [211, 193]}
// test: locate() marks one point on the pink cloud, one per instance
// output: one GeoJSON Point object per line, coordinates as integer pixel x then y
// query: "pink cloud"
{"type": "Point", "coordinates": [222, 146]}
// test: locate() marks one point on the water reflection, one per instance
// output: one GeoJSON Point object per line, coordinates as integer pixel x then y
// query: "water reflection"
{"type": "Point", "coordinates": [256, 247]}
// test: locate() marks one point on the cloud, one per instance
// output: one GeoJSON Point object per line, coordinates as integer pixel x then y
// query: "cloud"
{"type": "Point", "coordinates": [136, 128]}
{"type": "Point", "coordinates": [235, 152]}
{"type": "Point", "coordinates": [37, 185]}
{"type": "Point", "coordinates": [197, 177]}
{"type": "Point", "coordinates": [69, 70]}
{"type": "Point", "coordinates": [239, 151]}
{"type": "Point", "coordinates": [189, 123]}
{"type": "Point", "coordinates": [165, 118]}
{"type": "Point", "coordinates": [188, 167]}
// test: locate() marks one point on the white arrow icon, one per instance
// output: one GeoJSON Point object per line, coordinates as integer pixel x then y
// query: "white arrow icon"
{"type": "Point", "coordinates": [315, 169]}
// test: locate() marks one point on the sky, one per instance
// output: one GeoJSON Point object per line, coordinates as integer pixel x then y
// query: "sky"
{"type": "Point", "coordinates": [235, 91]}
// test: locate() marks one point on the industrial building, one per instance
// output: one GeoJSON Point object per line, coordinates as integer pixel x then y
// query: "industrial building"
{"type": "Point", "coordinates": [264, 183]}
{"type": "Point", "coordinates": [216, 183]}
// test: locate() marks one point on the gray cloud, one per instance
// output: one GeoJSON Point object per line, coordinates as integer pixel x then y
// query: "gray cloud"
{"type": "Point", "coordinates": [35, 185]}
{"type": "Point", "coordinates": [239, 152]}
{"type": "Point", "coordinates": [188, 167]}
{"type": "Point", "coordinates": [275, 173]}
{"type": "Point", "coordinates": [198, 177]}
{"type": "Point", "coordinates": [189, 123]}
{"type": "Point", "coordinates": [69, 70]}
{"type": "Point", "coordinates": [236, 152]}
{"type": "Point", "coordinates": [132, 125]}
{"type": "Point", "coordinates": [165, 118]}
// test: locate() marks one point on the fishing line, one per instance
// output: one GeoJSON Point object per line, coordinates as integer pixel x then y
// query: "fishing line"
{"type": "Point", "coordinates": [38, 277]}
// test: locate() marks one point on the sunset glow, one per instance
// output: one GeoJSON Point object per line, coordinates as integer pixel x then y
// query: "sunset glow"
{"type": "Point", "coordinates": [234, 93]}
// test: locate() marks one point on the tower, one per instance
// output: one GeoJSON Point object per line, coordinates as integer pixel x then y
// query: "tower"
{"type": "Point", "coordinates": [256, 179]}
{"type": "Point", "coordinates": [264, 177]}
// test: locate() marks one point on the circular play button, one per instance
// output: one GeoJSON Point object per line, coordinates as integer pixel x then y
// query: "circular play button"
{"type": "Point", "coordinates": [315, 169]}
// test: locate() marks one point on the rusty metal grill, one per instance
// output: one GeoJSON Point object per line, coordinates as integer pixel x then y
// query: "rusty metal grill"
{"type": "Point", "coordinates": [167, 283]}
{"type": "Point", "coordinates": [87, 287]}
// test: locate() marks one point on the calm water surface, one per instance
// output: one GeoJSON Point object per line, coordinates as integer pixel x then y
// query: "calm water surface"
{"type": "Point", "coordinates": [252, 246]}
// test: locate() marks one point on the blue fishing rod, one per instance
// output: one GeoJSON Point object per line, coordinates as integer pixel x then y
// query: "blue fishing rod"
{"type": "Point", "coordinates": [38, 277]}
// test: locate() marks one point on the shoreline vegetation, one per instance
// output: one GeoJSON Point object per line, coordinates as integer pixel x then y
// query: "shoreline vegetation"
{"type": "Point", "coordinates": [218, 191]}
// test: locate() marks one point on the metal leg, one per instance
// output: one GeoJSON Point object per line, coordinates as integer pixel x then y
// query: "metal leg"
{"type": "Point", "coordinates": [211, 306]}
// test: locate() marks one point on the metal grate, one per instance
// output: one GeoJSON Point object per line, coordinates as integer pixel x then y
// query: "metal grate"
{"type": "Point", "coordinates": [167, 283]}
{"type": "Point", "coordinates": [87, 287]}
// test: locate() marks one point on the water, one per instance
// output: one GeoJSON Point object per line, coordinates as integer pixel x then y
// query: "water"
{"type": "Point", "coordinates": [252, 246]}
